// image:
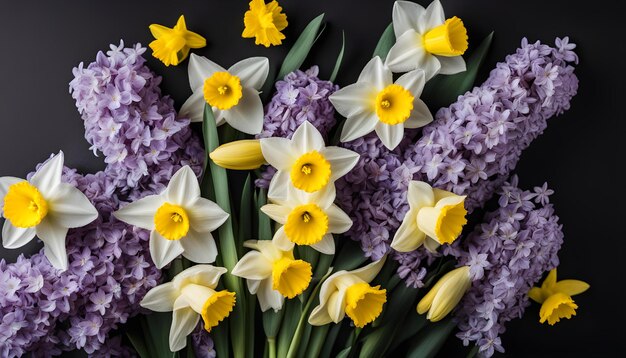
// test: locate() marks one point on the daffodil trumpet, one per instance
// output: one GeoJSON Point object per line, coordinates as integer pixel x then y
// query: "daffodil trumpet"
{"type": "Point", "coordinates": [444, 296]}
{"type": "Point", "coordinates": [555, 298]}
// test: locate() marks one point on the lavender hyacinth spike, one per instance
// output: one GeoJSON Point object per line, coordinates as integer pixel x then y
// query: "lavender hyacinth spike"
{"type": "Point", "coordinates": [507, 255]}
{"type": "Point", "coordinates": [202, 342]}
{"type": "Point", "coordinates": [470, 148]}
{"type": "Point", "coordinates": [300, 96]}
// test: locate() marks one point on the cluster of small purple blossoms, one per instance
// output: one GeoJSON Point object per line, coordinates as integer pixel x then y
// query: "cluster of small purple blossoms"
{"type": "Point", "coordinates": [300, 96]}
{"type": "Point", "coordinates": [507, 255]}
{"type": "Point", "coordinates": [202, 342]}
{"type": "Point", "coordinates": [131, 123]}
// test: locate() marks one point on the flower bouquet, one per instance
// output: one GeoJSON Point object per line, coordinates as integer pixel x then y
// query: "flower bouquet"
{"type": "Point", "coordinates": [287, 215]}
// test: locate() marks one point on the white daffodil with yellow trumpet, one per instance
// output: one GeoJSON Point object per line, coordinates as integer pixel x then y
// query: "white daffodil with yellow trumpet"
{"type": "Point", "coordinates": [445, 294]}
{"type": "Point", "coordinates": [43, 206]}
{"type": "Point", "coordinates": [179, 219]}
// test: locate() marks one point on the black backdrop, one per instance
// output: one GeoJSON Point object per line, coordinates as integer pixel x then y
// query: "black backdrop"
{"type": "Point", "coordinates": [579, 154]}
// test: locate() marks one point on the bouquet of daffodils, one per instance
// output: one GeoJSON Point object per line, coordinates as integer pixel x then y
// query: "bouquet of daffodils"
{"type": "Point", "coordinates": [298, 217]}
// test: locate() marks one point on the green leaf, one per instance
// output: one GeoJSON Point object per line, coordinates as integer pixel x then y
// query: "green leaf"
{"type": "Point", "coordinates": [156, 330]}
{"type": "Point", "coordinates": [387, 40]}
{"type": "Point", "coordinates": [345, 352]}
{"type": "Point", "coordinates": [329, 343]}
{"type": "Point", "coordinates": [245, 213]}
{"type": "Point", "coordinates": [265, 225]}
{"type": "Point", "coordinates": [472, 353]}
{"type": "Point", "coordinates": [300, 50]}
{"type": "Point", "coordinates": [317, 340]}
{"type": "Point", "coordinates": [272, 321]}
{"type": "Point", "coordinates": [293, 311]}
{"type": "Point", "coordinates": [443, 90]}
{"type": "Point", "coordinates": [189, 353]}
{"type": "Point", "coordinates": [431, 339]}
{"type": "Point", "coordinates": [333, 76]}
{"type": "Point", "coordinates": [138, 342]}
{"type": "Point", "coordinates": [412, 324]}
{"type": "Point", "coordinates": [219, 335]}
{"type": "Point", "coordinates": [350, 257]}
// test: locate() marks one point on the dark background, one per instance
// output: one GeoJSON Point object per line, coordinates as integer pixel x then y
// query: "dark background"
{"type": "Point", "coordinates": [579, 155]}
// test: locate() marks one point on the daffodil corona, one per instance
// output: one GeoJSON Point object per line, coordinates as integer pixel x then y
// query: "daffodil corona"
{"type": "Point", "coordinates": [555, 298]}
{"type": "Point", "coordinates": [445, 294]}
{"type": "Point", "coordinates": [264, 22]}
{"type": "Point", "coordinates": [171, 46]}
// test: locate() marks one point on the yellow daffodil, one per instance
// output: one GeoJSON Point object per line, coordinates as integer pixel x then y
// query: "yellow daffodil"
{"type": "Point", "coordinates": [426, 40]}
{"type": "Point", "coordinates": [233, 94]}
{"type": "Point", "coordinates": [307, 219]}
{"type": "Point", "coordinates": [435, 217]}
{"type": "Point", "coordinates": [376, 103]}
{"type": "Point", "coordinates": [179, 219]}
{"type": "Point", "coordinates": [272, 274]}
{"type": "Point", "coordinates": [243, 154]}
{"type": "Point", "coordinates": [555, 298]}
{"type": "Point", "coordinates": [350, 293]}
{"type": "Point", "coordinates": [171, 46]}
{"type": "Point", "coordinates": [191, 294]}
{"type": "Point", "coordinates": [304, 161]}
{"type": "Point", "coordinates": [43, 206]}
{"type": "Point", "coordinates": [264, 22]}
{"type": "Point", "coordinates": [445, 294]}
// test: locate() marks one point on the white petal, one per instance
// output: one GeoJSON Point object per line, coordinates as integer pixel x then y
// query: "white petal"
{"type": "Point", "coordinates": [431, 244]}
{"type": "Point", "coordinates": [354, 99]}
{"type": "Point", "coordinates": [430, 65]}
{"type": "Point", "coordinates": [358, 125]}
{"type": "Point", "coordinates": [278, 213]}
{"type": "Point", "coordinates": [338, 221]}
{"type": "Point", "coordinates": [160, 298]}
{"type": "Point", "coordinates": [420, 115]}
{"type": "Point", "coordinates": [253, 266]}
{"type": "Point", "coordinates": [323, 198]}
{"type": "Point", "coordinates": [48, 176]}
{"type": "Point", "coordinates": [407, 54]}
{"type": "Point", "coordinates": [200, 68]}
{"type": "Point", "coordinates": [390, 135]}
{"type": "Point", "coordinates": [408, 237]}
{"type": "Point", "coordinates": [341, 160]}
{"type": "Point", "coordinates": [265, 247]}
{"type": "Point", "coordinates": [253, 286]}
{"type": "Point", "coordinates": [336, 306]}
{"type": "Point", "coordinates": [307, 138]}
{"type": "Point", "coordinates": [376, 73]}
{"type": "Point", "coordinates": [205, 215]}
{"type": "Point", "coordinates": [326, 245]}
{"type": "Point", "coordinates": [278, 152]}
{"type": "Point", "coordinates": [183, 189]}
{"type": "Point", "coordinates": [319, 316]}
{"type": "Point", "coordinates": [53, 236]}
{"type": "Point", "coordinates": [247, 115]}
{"type": "Point", "coordinates": [369, 272]}
{"type": "Point", "coordinates": [451, 65]}
{"type": "Point", "coordinates": [420, 194]}
{"type": "Point", "coordinates": [406, 15]}
{"type": "Point", "coordinates": [280, 184]}
{"type": "Point", "coordinates": [162, 250]}
{"type": "Point", "coordinates": [141, 212]}
{"type": "Point", "coordinates": [5, 183]}
{"type": "Point", "coordinates": [184, 320]}
{"type": "Point", "coordinates": [193, 108]}
{"type": "Point", "coordinates": [281, 240]}
{"type": "Point", "coordinates": [199, 247]}
{"type": "Point", "coordinates": [432, 17]}
{"type": "Point", "coordinates": [268, 297]}
{"type": "Point", "coordinates": [252, 71]}
{"type": "Point", "coordinates": [413, 82]}
{"type": "Point", "coordinates": [207, 275]}
{"type": "Point", "coordinates": [16, 237]}
{"type": "Point", "coordinates": [70, 207]}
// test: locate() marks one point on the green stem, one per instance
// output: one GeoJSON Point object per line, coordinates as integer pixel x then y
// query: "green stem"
{"type": "Point", "coordinates": [271, 342]}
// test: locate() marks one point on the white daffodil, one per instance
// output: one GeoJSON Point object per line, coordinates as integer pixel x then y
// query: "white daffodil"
{"type": "Point", "coordinates": [272, 274]}
{"type": "Point", "coordinates": [445, 294]}
{"type": "Point", "coordinates": [376, 103]}
{"type": "Point", "coordinates": [349, 293]}
{"type": "Point", "coordinates": [189, 296]}
{"type": "Point", "coordinates": [233, 94]}
{"type": "Point", "coordinates": [180, 220]}
{"type": "Point", "coordinates": [426, 40]}
{"type": "Point", "coordinates": [435, 217]}
{"type": "Point", "coordinates": [305, 161]}
{"type": "Point", "coordinates": [43, 206]}
{"type": "Point", "coordinates": [307, 219]}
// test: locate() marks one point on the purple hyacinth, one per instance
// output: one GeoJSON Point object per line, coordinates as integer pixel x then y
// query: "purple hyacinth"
{"type": "Point", "coordinates": [300, 96]}
{"type": "Point", "coordinates": [130, 122]}
{"type": "Point", "coordinates": [202, 342]}
{"type": "Point", "coordinates": [507, 255]}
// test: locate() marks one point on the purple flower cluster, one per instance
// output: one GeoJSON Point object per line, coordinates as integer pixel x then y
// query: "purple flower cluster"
{"type": "Point", "coordinates": [131, 123]}
{"type": "Point", "coordinates": [202, 342]}
{"type": "Point", "coordinates": [507, 255]}
{"type": "Point", "coordinates": [300, 96]}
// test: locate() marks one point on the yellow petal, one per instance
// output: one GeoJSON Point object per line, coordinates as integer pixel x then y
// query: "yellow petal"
{"type": "Point", "coordinates": [550, 281]}
{"type": "Point", "coordinates": [571, 287]}
{"type": "Point", "coordinates": [536, 294]}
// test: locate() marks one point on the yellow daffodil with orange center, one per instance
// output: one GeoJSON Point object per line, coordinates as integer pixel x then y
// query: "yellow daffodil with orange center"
{"type": "Point", "coordinates": [264, 22]}
{"type": "Point", "coordinates": [555, 298]}
{"type": "Point", "coordinates": [222, 90]}
{"type": "Point", "coordinates": [435, 217]}
{"type": "Point", "coordinates": [377, 103]}
{"type": "Point", "coordinates": [243, 154]}
{"type": "Point", "coordinates": [171, 46]}
{"type": "Point", "coordinates": [445, 294]}
{"type": "Point", "coordinates": [191, 295]}
{"type": "Point", "coordinates": [426, 40]}
{"type": "Point", "coordinates": [307, 219]}
{"type": "Point", "coordinates": [350, 293]}
{"type": "Point", "coordinates": [272, 273]}
{"type": "Point", "coordinates": [304, 161]}
{"type": "Point", "coordinates": [45, 207]}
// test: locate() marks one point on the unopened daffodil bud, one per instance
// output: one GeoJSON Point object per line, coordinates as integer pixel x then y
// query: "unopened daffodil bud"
{"type": "Point", "coordinates": [445, 294]}
{"type": "Point", "coordinates": [556, 298]}
{"type": "Point", "coordinates": [239, 155]}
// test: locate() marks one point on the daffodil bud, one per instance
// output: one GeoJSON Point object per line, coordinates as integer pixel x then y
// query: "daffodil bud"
{"type": "Point", "coordinates": [239, 155]}
{"type": "Point", "coordinates": [445, 294]}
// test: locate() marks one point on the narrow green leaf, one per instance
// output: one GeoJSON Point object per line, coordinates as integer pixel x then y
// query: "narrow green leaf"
{"type": "Point", "coordinates": [265, 226]}
{"type": "Point", "coordinates": [272, 321]}
{"type": "Point", "coordinates": [387, 40]}
{"type": "Point", "coordinates": [431, 339]}
{"type": "Point", "coordinates": [156, 328]}
{"type": "Point", "coordinates": [250, 326]}
{"type": "Point", "coordinates": [293, 311]}
{"type": "Point", "coordinates": [300, 50]}
{"type": "Point", "coordinates": [189, 353]}
{"type": "Point", "coordinates": [323, 264]}
{"type": "Point", "coordinates": [412, 324]}
{"type": "Point", "coordinates": [245, 213]}
{"type": "Point", "coordinates": [317, 340]}
{"type": "Point", "coordinates": [333, 76]}
{"type": "Point", "coordinates": [345, 352]}
{"type": "Point", "coordinates": [138, 342]}
{"type": "Point", "coordinates": [329, 343]}
{"type": "Point", "coordinates": [472, 353]}
{"type": "Point", "coordinates": [220, 338]}
{"type": "Point", "coordinates": [303, 350]}
{"type": "Point", "coordinates": [350, 257]}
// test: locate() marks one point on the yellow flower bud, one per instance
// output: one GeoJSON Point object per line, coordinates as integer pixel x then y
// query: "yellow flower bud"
{"type": "Point", "coordinates": [239, 155]}
{"type": "Point", "coordinates": [445, 294]}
